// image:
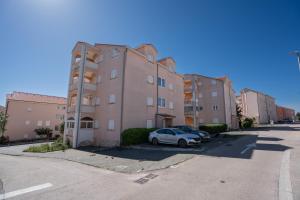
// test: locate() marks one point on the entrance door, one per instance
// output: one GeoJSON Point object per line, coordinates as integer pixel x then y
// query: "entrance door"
{"type": "Point", "coordinates": [168, 122]}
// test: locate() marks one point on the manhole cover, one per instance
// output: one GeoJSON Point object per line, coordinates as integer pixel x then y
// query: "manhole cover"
{"type": "Point", "coordinates": [146, 178]}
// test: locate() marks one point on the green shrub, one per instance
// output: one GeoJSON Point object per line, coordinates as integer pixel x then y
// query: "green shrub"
{"type": "Point", "coordinates": [57, 145]}
{"type": "Point", "coordinates": [213, 128]}
{"type": "Point", "coordinates": [248, 122]}
{"type": "Point", "coordinates": [4, 139]}
{"type": "Point", "coordinates": [136, 135]}
{"type": "Point", "coordinates": [44, 132]}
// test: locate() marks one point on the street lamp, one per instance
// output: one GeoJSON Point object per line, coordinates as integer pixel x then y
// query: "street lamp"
{"type": "Point", "coordinates": [297, 54]}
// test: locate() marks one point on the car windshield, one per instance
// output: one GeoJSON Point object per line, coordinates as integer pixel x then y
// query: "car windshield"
{"type": "Point", "coordinates": [178, 132]}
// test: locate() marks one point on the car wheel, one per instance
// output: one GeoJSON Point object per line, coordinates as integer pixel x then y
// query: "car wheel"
{"type": "Point", "coordinates": [155, 141]}
{"type": "Point", "coordinates": [182, 143]}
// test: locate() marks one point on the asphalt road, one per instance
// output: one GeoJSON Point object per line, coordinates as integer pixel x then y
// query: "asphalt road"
{"type": "Point", "coordinates": [264, 165]}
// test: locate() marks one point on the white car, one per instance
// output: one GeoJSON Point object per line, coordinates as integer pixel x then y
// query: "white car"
{"type": "Point", "coordinates": [173, 136]}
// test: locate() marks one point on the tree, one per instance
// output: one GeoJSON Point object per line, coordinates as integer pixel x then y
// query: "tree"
{"type": "Point", "coordinates": [239, 114]}
{"type": "Point", "coordinates": [298, 115]}
{"type": "Point", "coordinates": [3, 121]}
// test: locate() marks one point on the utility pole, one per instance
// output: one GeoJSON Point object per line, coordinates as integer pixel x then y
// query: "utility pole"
{"type": "Point", "coordinates": [297, 54]}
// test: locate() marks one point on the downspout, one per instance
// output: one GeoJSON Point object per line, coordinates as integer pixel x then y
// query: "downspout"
{"type": "Point", "coordinates": [79, 96]}
{"type": "Point", "coordinates": [123, 93]}
{"type": "Point", "coordinates": [194, 101]}
{"type": "Point", "coordinates": [156, 120]}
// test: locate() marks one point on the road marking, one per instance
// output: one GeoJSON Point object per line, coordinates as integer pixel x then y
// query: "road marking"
{"type": "Point", "coordinates": [285, 186]}
{"type": "Point", "coordinates": [24, 191]}
{"type": "Point", "coordinates": [248, 146]}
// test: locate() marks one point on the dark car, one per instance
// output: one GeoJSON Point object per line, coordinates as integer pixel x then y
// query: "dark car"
{"type": "Point", "coordinates": [205, 136]}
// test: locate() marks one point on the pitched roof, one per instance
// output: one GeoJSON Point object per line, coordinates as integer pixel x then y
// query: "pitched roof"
{"type": "Point", "coordinates": [23, 96]}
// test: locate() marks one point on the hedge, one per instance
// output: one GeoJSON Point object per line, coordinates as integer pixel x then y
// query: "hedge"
{"type": "Point", "coordinates": [136, 135]}
{"type": "Point", "coordinates": [214, 128]}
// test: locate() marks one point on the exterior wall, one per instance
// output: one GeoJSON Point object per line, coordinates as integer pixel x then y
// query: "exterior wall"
{"type": "Point", "coordinates": [131, 89]}
{"type": "Point", "coordinates": [202, 101]}
{"type": "Point", "coordinates": [284, 113]}
{"type": "Point", "coordinates": [23, 117]}
{"type": "Point", "coordinates": [259, 106]}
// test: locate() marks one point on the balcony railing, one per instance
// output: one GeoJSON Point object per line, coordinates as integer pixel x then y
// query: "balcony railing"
{"type": "Point", "coordinates": [87, 86]}
{"type": "Point", "coordinates": [189, 113]}
{"type": "Point", "coordinates": [88, 108]}
{"type": "Point", "coordinates": [88, 64]}
{"type": "Point", "coordinates": [188, 102]}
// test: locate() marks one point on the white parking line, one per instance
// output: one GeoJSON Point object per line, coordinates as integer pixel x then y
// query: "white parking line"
{"type": "Point", "coordinates": [248, 146]}
{"type": "Point", "coordinates": [285, 186]}
{"type": "Point", "coordinates": [24, 191]}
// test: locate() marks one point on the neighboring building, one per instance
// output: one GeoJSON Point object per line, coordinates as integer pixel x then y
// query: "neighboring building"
{"type": "Point", "coordinates": [115, 87]}
{"type": "Point", "coordinates": [27, 112]}
{"type": "Point", "coordinates": [209, 100]}
{"type": "Point", "coordinates": [2, 109]}
{"type": "Point", "coordinates": [258, 105]}
{"type": "Point", "coordinates": [284, 113]}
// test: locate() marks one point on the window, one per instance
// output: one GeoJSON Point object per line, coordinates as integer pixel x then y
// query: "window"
{"type": "Point", "coordinates": [113, 74]}
{"type": "Point", "coordinates": [161, 82]}
{"type": "Point", "coordinates": [161, 102]}
{"type": "Point", "coordinates": [199, 108]}
{"type": "Point", "coordinates": [96, 124]}
{"type": "Point", "coordinates": [86, 122]}
{"type": "Point", "coordinates": [115, 53]}
{"type": "Point", "coordinates": [213, 82]}
{"type": "Point", "coordinates": [111, 124]}
{"type": "Point", "coordinates": [98, 101]}
{"type": "Point", "coordinates": [162, 131]}
{"type": "Point", "coordinates": [149, 101]}
{"type": "Point", "coordinates": [150, 58]}
{"type": "Point", "coordinates": [29, 109]}
{"type": "Point", "coordinates": [47, 123]}
{"type": "Point", "coordinates": [99, 79]}
{"type": "Point", "coordinates": [149, 123]}
{"type": "Point", "coordinates": [215, 120]}
{"type": "Point", "coordinates": [112, 99]}
{"type": "Point", "coordinates": [199, 83]}
{"type": "Point", "coordinates": [215, 107]}
{"type": "Point", "coordinates": [150, 79]}
{"type": "Point", "coordinates": [40, 123]}
{"type": "Point", "coordinates": [171, 105]}
{"type": "Point", "coordinates": [27, 122]}
{"type": "Point", "coordinates": [200, 95]}
{"type": "Point", "coordinates": [171, 86]}
{"type": "Point", "coordinates": [214, 94]}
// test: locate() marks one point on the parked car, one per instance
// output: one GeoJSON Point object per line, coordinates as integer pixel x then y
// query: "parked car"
{"type": "Point", "coordinates": [205, 136]}
{"type": "Point", "coordinates": [173, 136]}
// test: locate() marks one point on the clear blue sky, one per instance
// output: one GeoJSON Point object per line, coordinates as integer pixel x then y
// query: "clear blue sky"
{"type": "Point", "coordinates": [248, 41]}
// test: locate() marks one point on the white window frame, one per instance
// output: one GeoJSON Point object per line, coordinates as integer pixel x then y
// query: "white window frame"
{"type": "Point", "coordinates": [214, 94]}
{"type": "Point", "coordinates": [27, 122]}
{"type": "Point", "coordinates": [161, 82]}
{"type": "Point", "coordinates": [149, 101]}
{"type": "Point", "coordinates": [115, 52]}
{"type": "Point", "coordinates": [99, 79]}
{"type": "Point", "coordinates": [112, 99]}
{"type": "Point", "coordinates": [29, 109]}
{"type": "Point", "coordinates": [171, 87]}
{"type": "Point", "coordinates": [215, 108]}
{"type": "Point", "coordinates": [150, 57]}
{"type": "Point", "coordinates": [111, 125]}
{"type": "Point", "coordinates": [40, 123]}
{"type": "Point", "coordinates": [47, 123]}
{"type": "Point", "coordinates": [171, 105]}
{"type": "Point", "coordinates": [149, 123]}
{"type": "Point", "coordinates": [161, 102]}
{"type": "Point", "coordinates": [150, 79]}
{"type": "Point", "coordinates": [113, 74]}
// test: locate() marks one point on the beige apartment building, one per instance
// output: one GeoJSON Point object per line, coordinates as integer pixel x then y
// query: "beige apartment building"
{"type": "Point", "coordinates": [284, 113]}
{"type": "Point", "coordinates": [258, 105]}
{"type": "Point", "coordinates": [116, 87]}
{"type": "Point", "coordinates": [209, 100]}
{"type": "Point", "coordinates": [2, 109]}
{"type": "Point", "coordinates": [27, 112]}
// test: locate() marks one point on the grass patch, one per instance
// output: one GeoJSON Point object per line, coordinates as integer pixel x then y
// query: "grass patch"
{"type": "Point", "coordinates": [57, 145]}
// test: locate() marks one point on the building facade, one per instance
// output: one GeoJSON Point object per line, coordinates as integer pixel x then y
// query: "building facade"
{"type": "Point", "coordinates": [209, 100]}
{"type": "Point", "coordinates": [116, 87]}
{"type": "Point", "coordinates": [2, 109]}
{"type": "Point", "coordinates": [27, 112]}
{"type": "Point", "coordinates": [284, 113]}
{"type": "Point", "coordinates": [258, 105]}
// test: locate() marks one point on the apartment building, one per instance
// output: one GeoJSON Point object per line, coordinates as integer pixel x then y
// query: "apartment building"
{"type": "Point", "coordinates": [116, 87]}
{"type": "Point", "coordinates": [284, 113]}
{"type": "Point", "coordinates": [27, 112]}
{"type": "Point", "coordinates": [209, 100]}
{"type": "Point", "coordinates": [258, 105]}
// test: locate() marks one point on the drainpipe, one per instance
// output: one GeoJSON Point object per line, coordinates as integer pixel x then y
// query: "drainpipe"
{"type": "Point", "coordinates": [194, 101]}
{"type": "Point", "coordinates": [123, 93]}
{"type": "Point", "coordinates": [156, 116]}
{"type": "Point", "coordinates": [79, 96]}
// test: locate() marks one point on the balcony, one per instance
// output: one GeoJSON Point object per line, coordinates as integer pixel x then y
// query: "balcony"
{"type": "Point", "coordinates": [188, 102]}
{"type": "Point", "coordinates": [88, 64]}
{"type": "Point", "coordinates": [188, 113]}
{"type": "Point", "coordinates": [188, 89]}
{"type": "Point", "coordinates": [71, 108]}
{"type": "Point", "coordinates": [86, 86]}
{"type": "Point", "coordinates": [88, 108]}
